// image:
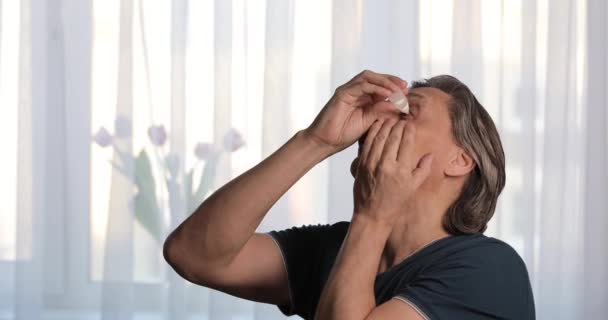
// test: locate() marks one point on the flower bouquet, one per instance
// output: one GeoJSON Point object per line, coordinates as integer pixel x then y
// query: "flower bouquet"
{"type": "Point", "coordinates": [182, 191]}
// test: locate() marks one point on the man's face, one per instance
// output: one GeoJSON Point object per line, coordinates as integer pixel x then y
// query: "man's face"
{"type": "Point", "coordinates": [429, 114]}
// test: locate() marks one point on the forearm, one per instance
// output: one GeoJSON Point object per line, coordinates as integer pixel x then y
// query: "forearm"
{"type": "Point", "coordinates": [349, 291]}
{"type": "Point", "coordinates": [223, 223]}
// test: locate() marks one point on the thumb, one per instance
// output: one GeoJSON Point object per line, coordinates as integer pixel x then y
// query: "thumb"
{"type": "Point", "coordinates": [423, 170]}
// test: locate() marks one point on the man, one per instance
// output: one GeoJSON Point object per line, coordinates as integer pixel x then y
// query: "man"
{"type": "Point", "coordinates": [426, 185]}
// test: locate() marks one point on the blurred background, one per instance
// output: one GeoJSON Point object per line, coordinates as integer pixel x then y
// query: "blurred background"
{"type": "Point", "coordinates": [118, 117]}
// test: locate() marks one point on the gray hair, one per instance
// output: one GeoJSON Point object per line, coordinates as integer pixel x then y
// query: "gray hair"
{"type": "Point", "coordinates": [475, 132]}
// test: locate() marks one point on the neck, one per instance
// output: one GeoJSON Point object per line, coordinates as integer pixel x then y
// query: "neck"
{"type": "Point", "coordinates": [419, 226]}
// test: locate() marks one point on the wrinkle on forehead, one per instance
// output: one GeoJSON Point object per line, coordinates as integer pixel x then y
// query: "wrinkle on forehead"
{"type": "Point", "coordinates": [413, 94]}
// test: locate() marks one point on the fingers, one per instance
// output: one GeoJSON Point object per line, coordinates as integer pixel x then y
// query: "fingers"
{"type": "Point", "coordinates": [381, 80]}
{"type": "Point", "coordinates": [358, 89]}
{"type": "Point", "coordinates": [393, 142]}
{"type": "Point", "coordinates": [372, 83]}
{"type": "Point", "coordinates": [369, 140]}
{"type": "Point", "coordinates": [398, 81]}
{"type": "Point", "coordinates": [377, 147]}
{"type": "Point", "coordinates": [405, 156]}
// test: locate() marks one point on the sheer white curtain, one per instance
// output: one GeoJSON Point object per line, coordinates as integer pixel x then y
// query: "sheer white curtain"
{"type": "Point", "coordinates": [118, 115]}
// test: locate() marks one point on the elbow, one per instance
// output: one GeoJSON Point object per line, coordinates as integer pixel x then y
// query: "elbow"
{"type": "Point", "coordinates": [173, 253]}
{"type": "Point", "coordinates": [170, 252]}
{"type": "Point", "coordinates": [183, 261]}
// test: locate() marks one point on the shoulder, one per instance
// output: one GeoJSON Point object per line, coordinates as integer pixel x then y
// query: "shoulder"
{"type": "Point", "coordinates": [480, 250]}
{"type": "Point", "coordinates": [310, 236]}
{"type": "Point", "coordinates": [313, 229]}
{"type": "Point", "coordinates": [477, 273]}
{"type": "Point", "coordinates": [320, 227]}
{"type": "Point", "coordinates": [337, 231]}
{"type": "Point", "coordinates": [475, 248]}
{"type": "Point", "coordinates": [308, 252]}
{"type": "Point", "coordinates": [490, 270]}
{"type": "Point", "coordinates": [485, 259]}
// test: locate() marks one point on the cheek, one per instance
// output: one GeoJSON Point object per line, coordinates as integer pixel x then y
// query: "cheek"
{"type": "Point", "coordinates": [434, 144]}
{"type": "Point", "coordinates": [425, 143]}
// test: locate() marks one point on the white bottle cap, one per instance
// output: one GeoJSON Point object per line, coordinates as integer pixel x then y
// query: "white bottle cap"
{"type": "Point", "coordinates": [400, 101]}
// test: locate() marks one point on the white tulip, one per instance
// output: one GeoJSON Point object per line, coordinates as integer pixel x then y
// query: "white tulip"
{"type": "Point", "coordinates": [233, 140]}
{"type": "Point", "coordinates": [103, 138]}
{"type": "Point", "coordinates": [158, 135]}
{"type": "Point", "coordinates": [204, 151]}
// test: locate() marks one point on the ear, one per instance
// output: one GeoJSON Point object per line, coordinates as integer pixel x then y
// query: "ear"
{"type": "Point", "coordinates": [460, 164]}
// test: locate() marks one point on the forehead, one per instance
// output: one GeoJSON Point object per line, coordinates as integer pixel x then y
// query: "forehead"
{"type": "Point", "coordinates": [429, 95]}
{"type": "Point", "coordinates": [433, 106]}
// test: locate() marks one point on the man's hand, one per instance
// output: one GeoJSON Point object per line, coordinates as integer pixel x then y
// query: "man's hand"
{"type": "Point", "coordinates": [353, 108]}
{"type": "Point", "coordinates": [389, 173]}
{"type": "Point", "coordinates": [387, 177]}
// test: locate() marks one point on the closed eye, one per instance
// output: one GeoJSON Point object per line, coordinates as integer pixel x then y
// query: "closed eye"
{"type": "Point", "coordinates": [414, 108]}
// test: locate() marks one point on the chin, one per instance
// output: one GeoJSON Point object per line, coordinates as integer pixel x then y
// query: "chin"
{"type": "Point", "coordinates": [353, 166]}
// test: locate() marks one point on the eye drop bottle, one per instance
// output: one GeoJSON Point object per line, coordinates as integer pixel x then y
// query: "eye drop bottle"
{"type": "Point", "coordinates": [400, 101]}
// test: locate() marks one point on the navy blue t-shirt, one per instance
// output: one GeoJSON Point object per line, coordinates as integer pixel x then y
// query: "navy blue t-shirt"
{"type": "Point", "coordinates": [457, 277]}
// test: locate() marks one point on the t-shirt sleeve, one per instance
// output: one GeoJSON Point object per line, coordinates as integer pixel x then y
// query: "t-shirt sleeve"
{"type": "Point", "coordinates": [490, 282]}
{"type": "Point", "coordinates": [304, 250]}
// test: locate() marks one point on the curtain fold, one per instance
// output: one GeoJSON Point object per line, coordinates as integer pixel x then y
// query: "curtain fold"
{"type": "Point", "coordinates": [347, 24]}
{"type": "Point", "coordinates": [177, 292]}
{"type": "Point", "coordinates": [28, 303]}
{"type": "Point", "coordinates": [527, 101]}
{"type": "Point", "coordinates": [561, 207]}
{"type": "Point", "coordinates": [276, 90]}
{"type": "Point", "coordinates": [243, 87]}
{"type": "Point", "coordinates": [220, 307]}
{"type": "Point", "coordinates": [595, 202]}
{"type": "Point", "coordinates": [117, 286]}
{"type": "Point", "coordinates": [466, 44]}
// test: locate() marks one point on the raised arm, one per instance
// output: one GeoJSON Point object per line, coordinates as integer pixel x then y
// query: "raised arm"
{"type": "Point", "coordinates": [203, 249]}
{"type": "Point", "coordinates": [217, 245]}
